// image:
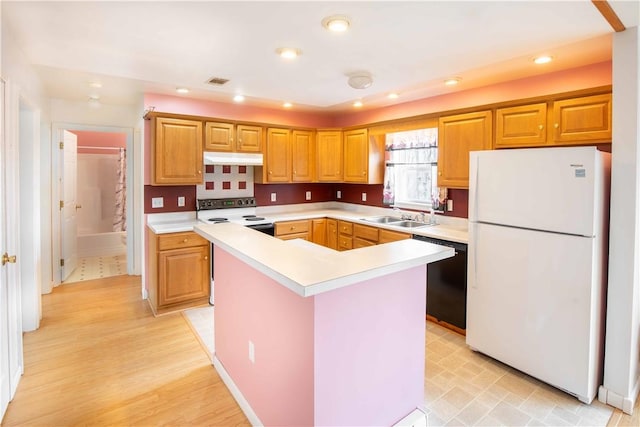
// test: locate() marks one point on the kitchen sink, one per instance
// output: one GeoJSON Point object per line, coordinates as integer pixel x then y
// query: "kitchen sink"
{"type": "Point", "coordinates": [411, 224]}
{"type": "Point", "coordinates": [383, 220]}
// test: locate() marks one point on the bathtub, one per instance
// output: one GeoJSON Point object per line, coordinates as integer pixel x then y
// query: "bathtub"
{"type": "Point", "coordinates": [102, 244]}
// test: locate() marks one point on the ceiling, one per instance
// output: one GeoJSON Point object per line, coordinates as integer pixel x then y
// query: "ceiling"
{"type": "Point", "coordinates": [408, 47]}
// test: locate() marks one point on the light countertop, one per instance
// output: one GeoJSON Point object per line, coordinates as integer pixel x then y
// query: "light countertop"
{"type": "Point", "coordinates": [309, 269]}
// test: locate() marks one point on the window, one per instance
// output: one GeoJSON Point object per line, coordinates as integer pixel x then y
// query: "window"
{"type": "Point", "coordinates": [411, 171]}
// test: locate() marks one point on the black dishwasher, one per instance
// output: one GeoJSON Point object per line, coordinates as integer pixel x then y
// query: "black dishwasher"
{"type": "Point", "coordinates": [447, 285]}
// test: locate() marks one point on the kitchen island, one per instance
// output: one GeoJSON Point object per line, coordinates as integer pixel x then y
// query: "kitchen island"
{"type": "Point", "coordinates": [305, 335]}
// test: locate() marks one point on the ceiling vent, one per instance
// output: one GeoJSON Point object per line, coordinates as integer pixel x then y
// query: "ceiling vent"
{"type": "Point", "coordinates": [219, 81]}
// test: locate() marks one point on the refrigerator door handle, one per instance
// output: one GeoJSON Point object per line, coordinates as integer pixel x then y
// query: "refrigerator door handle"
{"type": "Point", "coordinates": [476, 188]}
{"type": "Point", "coordinates": [473, 259]}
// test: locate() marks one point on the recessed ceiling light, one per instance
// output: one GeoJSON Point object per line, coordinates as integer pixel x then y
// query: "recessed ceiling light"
{"type": "Point", "coordinates": [393, 95]}
{"type": "Point", "coordinates": [96, 85]}
{"type": "Point", "coordinates": [287, 105]}
{"type": "Point", "coordinates": [238, 98]}
{"type": "Point", "coordinates": [452, 81]}
{"type": "Point", "coordinates": [336, 23]}
{"type": "Point", "coordinates": [182, 90]}
{"type": "Point", "coordinates": [357, 104]}
{"type": "Point", "coordinates": [288, 52]}
{"type": "Point", "coordinates": [543, 59]}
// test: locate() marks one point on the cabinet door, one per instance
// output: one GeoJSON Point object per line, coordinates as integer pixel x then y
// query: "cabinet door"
{"type": "Point", "coordinates": [329, 161]}
{"type": "Point", "coordinates": [586, 119]}
{"type": "Point", "coordinates": [387, 236]}
{"type": "Point", "coordinates": [457, 136]}
{"type": "Point", "coordinates": [278, 155]}
{"type": "Point", "coordinates": [332, 234]}
{"type": "Point", "coordinates": [218, 136]}
{"type": "Point", "coordinates": [249, 139]}
{"type": "Point", "coordinates": [302, 156]}
{"type": "Point", "coordinates": [177, 152]}
{"type": "Point", "coordinates": [356, 156]}
{"type": "Point", "coordinates": [523, 126]}
{"type": "Point", "coordinates": [319, 231]}
{"type": "Point", "coordinates": [183, 275]}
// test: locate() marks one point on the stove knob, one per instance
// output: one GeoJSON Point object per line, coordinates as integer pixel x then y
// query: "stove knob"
{"type": "Point", "coordinates": [239, 202]}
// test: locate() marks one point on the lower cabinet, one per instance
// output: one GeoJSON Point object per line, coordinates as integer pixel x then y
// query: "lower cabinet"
{"type": "Point", "coordinates": [386, 236]}
{"type": "Point", "coordinates": [179, 275]}
{"type": "Point", "coordinates": [287, 230]}
{"type": "Point", "coordinates": [319, 231]}
{"type": "Point", "coordinates": [345, 235]}
{"type": "Point", "coordinates": [332, 233]}
{"type": "Point", "coordinates": [364, 235]}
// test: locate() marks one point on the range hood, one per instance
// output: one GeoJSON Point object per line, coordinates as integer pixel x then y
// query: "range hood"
{"type": "Point", "coordinates": [218, 158]}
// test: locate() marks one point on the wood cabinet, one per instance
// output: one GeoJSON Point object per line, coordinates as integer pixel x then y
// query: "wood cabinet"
{"type": "Point", "coordinates": [364, 235]}
{"type": "Point", "coordinates": [345, 235]}
{"type": "Point", "coordinates": [319, 231]}
{"type": "Point", "coordinates": [363, 157]}
{"type": "Point", "coordinates": [387, 236]}
{"type": "Point", "coordinates": [176, 155]}
{"type": "Point", "coordinates": [303, 156]}
{"type": "Point", "coordinates": [582, 120]}
{"type": "Point", "coordinates": [332, 233]}
{"type": "Point", "coordinates": [179, 271]}
{"type": "Point", "coordinates": [522, 126]}
{"type": "Point", "coordinates": [278, 155]}
{"type": "Point", "coordinates": [240, 138]}
{"type": "Point", "coordinates": [287, 230]}
{"type": "Point", "coordinates": [457, 136]}
{"type": "Point", "coordinates": [329, 155]}
{"type": "Point", "coordinates": [573, 121]}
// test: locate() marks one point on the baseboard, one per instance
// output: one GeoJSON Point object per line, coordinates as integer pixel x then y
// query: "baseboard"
{"type": "Point", "coordinates": [237, 395]}
{"type": "Point", "coordinates": [625, 404]}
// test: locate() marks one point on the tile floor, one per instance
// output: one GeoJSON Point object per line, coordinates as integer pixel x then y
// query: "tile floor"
{"type": "Point", "coordinates": [464, 388]}
{"type": "Point", "coordinates": [98, 267]}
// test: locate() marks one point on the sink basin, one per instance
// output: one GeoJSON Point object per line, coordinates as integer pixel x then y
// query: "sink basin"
{"type": "Point", "coordinates": [411, 224]}
{"type": "Point", "coordinates": [383, 219]}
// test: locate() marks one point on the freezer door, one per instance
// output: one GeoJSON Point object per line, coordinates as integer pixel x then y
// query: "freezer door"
{"type": "Point", "coordinates": [552, 189]}
{"type": "Point", "coordinates": [535, 302]}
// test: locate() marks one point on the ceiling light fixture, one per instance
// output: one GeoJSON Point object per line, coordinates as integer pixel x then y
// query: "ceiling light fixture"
{"type": "Point", "coordinates": [287, 105]}
{"type": "Point", "coordinates": [452, 81]}
{"type": "Point", "coordinates": [360, 80]}
{"type": "Point", "coordinates": [393, 95]}
{"type": "Point", "coordinates": [288, 52]}
{"type": "Point", "coordinates": [543, 59]}
{"type": "Point", "coordinates": [96, 85]}
{"type": "Point", "coordinates": [182, 90]}
{"type": "Point", "coordinates": [357, 104]}
{"type": "Point", "coordinates": [238, 98]}
{"type": "Point", "coordinates": [94, 101]}
{"type": "Point", "coordinates": [336, 23]}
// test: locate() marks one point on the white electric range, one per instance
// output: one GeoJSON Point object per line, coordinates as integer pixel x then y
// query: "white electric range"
{"type": "Point", "coordinates": [240, 211]}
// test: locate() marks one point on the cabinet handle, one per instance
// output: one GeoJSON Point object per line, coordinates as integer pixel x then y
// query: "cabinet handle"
{"type": "Point", "coordinates": [270, 172]}
{"type": "Point", "coordinates": [439, 173]}
{"type": "Point", "coordinates": [364, 173]}
{"type": "Point", "coordinates": [540, 127]}
{"type": "Point", "coordinates": [292, 227]}
{"type": "Point", "coordinates": [556, 125]}
{"type": "Point", "coordinates": [206, 257]}
{"type": "Point", "coordinates": [185, 240]}
{"type": "Point", "coordinates": [199, 172]}
{"type": "Point", "coordinates": [295, 173]}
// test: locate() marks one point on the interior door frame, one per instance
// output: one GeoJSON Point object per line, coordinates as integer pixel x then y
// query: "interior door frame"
{"type": "Point", "coordinates": [56, 162]}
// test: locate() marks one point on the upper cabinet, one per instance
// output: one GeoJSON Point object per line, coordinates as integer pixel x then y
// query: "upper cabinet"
{"type": "Point", "coordinates": [288, 157]}
{"type": "Point", "coordinates": [573, 121]}
{"type": "Point", "coordinates": [363, 157]}
{"type": "Point", "coordinates": [278, 155]}
{"type": "Point", "coordinates": [229, 137]}
{"type": "Point", "coordinates": [303, 155]}
{"type": "Point", "coordinates": [457, 136]}
{"type": "Point", "coordinates": [176, 156]}
{"type": "Point", "coordinates": [329, 155]}
{"type": "Point", "coordinates": [582, 120]}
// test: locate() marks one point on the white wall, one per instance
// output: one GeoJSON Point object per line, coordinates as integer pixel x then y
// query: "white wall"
{"type": "Point", "coordinates": [622, 347]}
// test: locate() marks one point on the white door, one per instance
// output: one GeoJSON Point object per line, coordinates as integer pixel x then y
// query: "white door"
{"type": "Point", "coordinates": [69, 218]}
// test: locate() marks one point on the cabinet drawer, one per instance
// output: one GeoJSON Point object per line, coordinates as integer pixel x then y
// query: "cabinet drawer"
{"type": "Point", "coordinates": [362, 243]}
{"type": "Point", "coordinates": [180, 240]}
{"type": "Point", "coordinates": [345, 227]}
{"type": "Point", "coordinates": [345, 243]}
{"type": "Point", "coordinates": [387, 236]}
{"type": "Point", "coordinates": [292, 227]}
{"type": "Point", "coordinates": [303, 236]}
{"type": "Point", "coordinates": [365, 232]}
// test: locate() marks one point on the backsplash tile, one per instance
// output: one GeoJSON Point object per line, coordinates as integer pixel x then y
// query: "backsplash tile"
{"type": "Point", "coordinates": [222, 181]}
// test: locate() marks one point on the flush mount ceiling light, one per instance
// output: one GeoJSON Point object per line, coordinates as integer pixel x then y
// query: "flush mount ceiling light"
{"type": "Point", "coordinates": [182, 90]}
{"type": "Point", "coordinates": [393, 95]}
{"type": "Point", "coordinates": [238, 98]}
{"type": "Point", "coordinates": [543, 59]}
{"type": "Point", "coordinates": [96, 85]}
{"type": "Point", "coordinates": [336, 23]}
{"type": "Point", "coordinates": [287, 105]}
{"type": "Point", "coordinates": [288, 52]}
{"type": "Point", "coordinates": [452, 81]}
{"type": "Point", "coordinates": [357, 104]}
{"type": "Point", "coordinates": [360, 80]}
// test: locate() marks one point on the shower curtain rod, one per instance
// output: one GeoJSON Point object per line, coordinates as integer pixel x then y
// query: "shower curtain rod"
{"type": "Point", "coordinates": [100, 148]}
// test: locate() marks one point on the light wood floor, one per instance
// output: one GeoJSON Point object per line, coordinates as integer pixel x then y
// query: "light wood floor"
{"type": "Point", "coordinates": [101, 358]}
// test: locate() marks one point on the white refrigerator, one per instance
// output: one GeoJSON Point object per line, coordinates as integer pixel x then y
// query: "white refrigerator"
{"type": "Point", "coordinates": [537, 262]}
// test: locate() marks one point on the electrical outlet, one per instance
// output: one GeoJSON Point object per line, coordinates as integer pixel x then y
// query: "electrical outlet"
{"type": "Point", "coordinates": [308, 195]}
{"type": "Point", "coordinates": [449, 205]}
{"type": "Point", "coordinates": [252, 352]}
{"type": "Point", "coordinates": [364, 197]}
{"type": "Point", "coordinates": [273, 197]}
{"type": "Point", "coordinates": [181, 201]}
{"type": "Point", "coordinates": [157, 202]}
{"type": "Point", "coordinates": [339, 194]}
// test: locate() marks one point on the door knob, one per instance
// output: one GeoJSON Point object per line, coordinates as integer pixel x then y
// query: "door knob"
{"type": "Point", "coordinates": [8, 259]}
